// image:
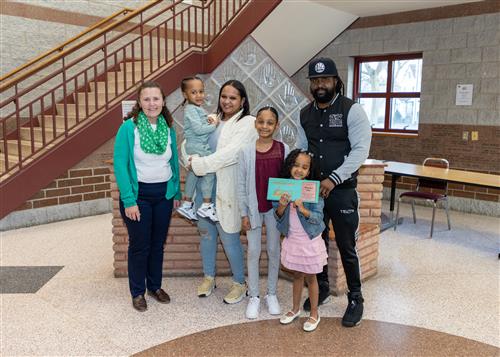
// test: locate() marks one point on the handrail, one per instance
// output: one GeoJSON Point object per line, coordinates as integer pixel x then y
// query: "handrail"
{"type": "Point", "coordinates": [64, 44]}
{"type": "Point", "coordinates": [10, 83]}
{"type": "Point", "coordinates": [53, 102]}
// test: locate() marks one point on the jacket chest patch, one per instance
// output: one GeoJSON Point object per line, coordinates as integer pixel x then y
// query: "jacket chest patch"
{"type": "Point", "coordinates": [335, 121]}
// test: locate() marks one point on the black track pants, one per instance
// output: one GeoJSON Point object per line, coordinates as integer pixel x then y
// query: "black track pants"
{"type": "Point", "coordinates": [341, 207]}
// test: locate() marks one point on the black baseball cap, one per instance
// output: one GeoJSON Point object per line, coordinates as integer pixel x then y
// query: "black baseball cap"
{"type": "Point", "coordinates": [322, 67]}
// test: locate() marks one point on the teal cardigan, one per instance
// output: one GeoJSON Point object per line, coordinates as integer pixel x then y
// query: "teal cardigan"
{"type": "Point", "coordinates": [124, 165]}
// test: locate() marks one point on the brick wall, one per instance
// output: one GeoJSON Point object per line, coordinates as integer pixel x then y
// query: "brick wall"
{"type": "Point", "coordinates": [370, 193]}
{"type": "Point", "coordinates": [76, 185]}
{"type": "Point", "coordinates": [182, 251]}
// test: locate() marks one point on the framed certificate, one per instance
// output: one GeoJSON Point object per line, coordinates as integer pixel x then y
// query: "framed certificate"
{"type": "Point", "coordinates": [307, 190]}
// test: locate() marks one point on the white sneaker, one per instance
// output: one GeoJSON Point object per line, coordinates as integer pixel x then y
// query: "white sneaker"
{"type": "Point", "coordinates": [273, 306]}
{"type": "Point", "coordinates": [187, 210]}
{"type": "Point", "coordinates": [207, 210]}
{"type": "Point", "coordinates": [253, 308]}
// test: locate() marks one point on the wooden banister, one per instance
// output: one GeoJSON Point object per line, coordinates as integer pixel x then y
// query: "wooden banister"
{"type": "Point", "coordinates": [13, 81]}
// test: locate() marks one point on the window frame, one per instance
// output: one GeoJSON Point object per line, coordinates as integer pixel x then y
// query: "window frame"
{"type": "Point", "coordinates": [388, 94]}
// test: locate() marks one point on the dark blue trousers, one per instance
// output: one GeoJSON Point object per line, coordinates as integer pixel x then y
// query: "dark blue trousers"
{"type": "Point", "coordinates": [147, 237]}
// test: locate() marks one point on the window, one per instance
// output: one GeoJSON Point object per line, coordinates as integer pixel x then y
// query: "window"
{"type": "Point", "coordinates": [388, 88]}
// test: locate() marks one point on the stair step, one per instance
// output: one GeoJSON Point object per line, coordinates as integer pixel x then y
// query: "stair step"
{"type": "Point", "coordinates": [13, 160]}
{"type": "Point", "coordinates": [59, 121]}
{"type": "Point", "coordinates": [120, 76]}
{"type": "Point", "coordinates": [136, 66]}
{"type": "Point", "coordinates": [12, 147]}
{"type": "Point", "coordinates": [71, 110]}
{"type": "Point", "coordinates": [117, 78]}
{"type": "Point", "coordinates": [37, 133]}
{"type": "Point", "coordinates": [90, 97]}
{"type": "Point", "coordinates": [111, 87]}
{"type": "Point", "coordinates": [137, 70]}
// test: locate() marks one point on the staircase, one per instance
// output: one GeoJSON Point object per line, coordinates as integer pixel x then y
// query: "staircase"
{"type": "Point", "coordinates": [65, 106]}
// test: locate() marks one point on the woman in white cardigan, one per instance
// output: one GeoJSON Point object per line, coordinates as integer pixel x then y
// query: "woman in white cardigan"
{"type": "Point", "coordinates": [236, 129]}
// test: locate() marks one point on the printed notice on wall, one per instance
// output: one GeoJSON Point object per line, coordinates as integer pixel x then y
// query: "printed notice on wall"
{"type": "Point", "coordinates": [127, 106]}
{"type": "Point", "coordinates": [464, 94]}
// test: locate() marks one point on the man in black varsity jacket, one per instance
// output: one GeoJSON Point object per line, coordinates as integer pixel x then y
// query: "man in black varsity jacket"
{"type": "Point", "coordinates": [337, 131]}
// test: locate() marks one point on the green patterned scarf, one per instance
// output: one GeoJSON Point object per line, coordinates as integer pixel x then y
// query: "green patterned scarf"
{"type": "Point", "coordinates": [152, 141]}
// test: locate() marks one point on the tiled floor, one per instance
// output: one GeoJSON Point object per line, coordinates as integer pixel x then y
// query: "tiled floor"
{"type": "Point", "coordinates": [448, 284]}
{"type": "Point", "coordinates": [27, 280]}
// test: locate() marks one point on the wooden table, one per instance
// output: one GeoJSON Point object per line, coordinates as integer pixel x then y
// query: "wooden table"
{"type": "Point", "coordinates": [398, 169]}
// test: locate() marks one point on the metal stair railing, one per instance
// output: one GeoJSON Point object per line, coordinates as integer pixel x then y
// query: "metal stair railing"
{"type": "Point", "coordinates": [43, 106]}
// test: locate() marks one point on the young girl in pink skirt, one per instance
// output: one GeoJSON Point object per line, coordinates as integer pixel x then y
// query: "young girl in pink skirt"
{"type": "Point", "coordinates": [303, 250]}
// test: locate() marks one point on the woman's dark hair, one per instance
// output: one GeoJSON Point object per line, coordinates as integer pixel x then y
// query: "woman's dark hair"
{"type": "Point", "coordinates": [271, 109]}
{"type": "Point", "coordinates": [134, 113]}
{"type": "Point", "coordinates": [286, 168]}
{"type": "Point", "coordinates": [184, 83]}
{"type": "Point", "coordinates": [243, 94]}
{"type": "Point", "coordinates": [339, 87]}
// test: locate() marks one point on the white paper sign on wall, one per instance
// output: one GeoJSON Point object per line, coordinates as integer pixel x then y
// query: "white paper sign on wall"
{"type": "Point", "coordinates": [127, 106]}
{"type": "Point", "coordinates": [464, 94]}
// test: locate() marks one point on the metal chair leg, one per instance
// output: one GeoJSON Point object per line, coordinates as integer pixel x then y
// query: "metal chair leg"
{"type": "Point", "coordinates": [413, 210]}
{"type": "Point", "coordinates": [433, 215]}
{"type": "Point", "coordinates": [397, 214]}
{"type": "Point", "coordinates": [448, 214]}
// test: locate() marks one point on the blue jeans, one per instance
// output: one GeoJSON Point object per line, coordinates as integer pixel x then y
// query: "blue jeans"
{"type": "Point", "coordinates": [208, 246]}
{"type": "Point", "coordinates": [147, 237]}
{"type": "Point", "coordinates": [203, 184]}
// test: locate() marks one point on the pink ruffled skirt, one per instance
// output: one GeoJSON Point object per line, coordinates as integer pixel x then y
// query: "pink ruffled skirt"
{"type": "Point", "coordinates": [299, 252]}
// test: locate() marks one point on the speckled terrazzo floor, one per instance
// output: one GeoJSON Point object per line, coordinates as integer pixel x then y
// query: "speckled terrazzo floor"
{"type": "Point", "coordinates": [436, 288]}
{"type": "Point", "coordinates": [269, 338]}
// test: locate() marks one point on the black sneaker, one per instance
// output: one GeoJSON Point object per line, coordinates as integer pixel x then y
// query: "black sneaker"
{"type": "Point", "coordinates": [324, 297]}
{"type": "Point", "coordinates": [354, 311]}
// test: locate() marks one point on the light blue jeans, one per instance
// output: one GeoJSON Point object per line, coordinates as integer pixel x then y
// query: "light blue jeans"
{"type": "Point", "coordinates": [254, 237]}
{"type": "Point", "coordinates": [205, 185]}
{"type": "Point", "coordinates": [208, 246]}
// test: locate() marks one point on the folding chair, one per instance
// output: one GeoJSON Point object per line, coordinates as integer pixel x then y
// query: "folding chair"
{"type": "Point", "coordinates": [420, 194]}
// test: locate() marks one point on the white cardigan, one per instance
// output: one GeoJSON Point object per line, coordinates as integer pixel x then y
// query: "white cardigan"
{"type": "Point", "coordinates": [224, 162]}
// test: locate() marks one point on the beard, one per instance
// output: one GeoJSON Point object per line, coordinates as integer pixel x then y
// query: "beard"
{"type": "Point", "coordinates": [324, 97]}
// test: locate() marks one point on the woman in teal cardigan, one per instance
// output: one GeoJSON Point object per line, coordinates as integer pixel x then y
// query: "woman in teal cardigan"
{"type": "Point", "coordinates": [147, 173]}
